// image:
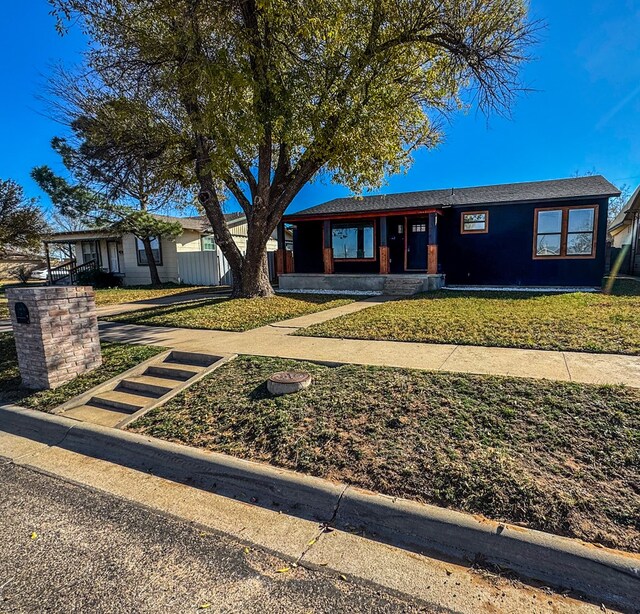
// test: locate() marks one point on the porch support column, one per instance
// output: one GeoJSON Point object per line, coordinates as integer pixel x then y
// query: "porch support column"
{"type": "Point", "coordinates": [385, 267]}
{"type": "Point", "coordinates": [281, 256]}
{"type": "Point", "coordinates": [46, 250]}
{"type": "Point", "coordinates": [432, 247]}
{"type": "Point", "coordinates": [327, 251]}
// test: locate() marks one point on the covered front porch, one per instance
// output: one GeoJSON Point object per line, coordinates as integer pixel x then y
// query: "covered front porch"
{"type": "Point", "coordinates": [368, 251]}
{"type": "Point", "coordinates": [74, 253]}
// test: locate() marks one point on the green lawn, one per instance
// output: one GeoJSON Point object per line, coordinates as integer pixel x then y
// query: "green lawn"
{"type": "Point", "coordinates": [558, 457]}
{"type": "Point", "coordinates": [589, 322]}
{"type": "Point", "coordinates": [117, 357]}
{"type": "Point", "coordinates": [233, 314]}
{"type": "Point", "coordinates": [116, 296]}
{"type": "Point", "coordinates": [130, 294]}
{"type": "Point", "coordinates": [4, 284]}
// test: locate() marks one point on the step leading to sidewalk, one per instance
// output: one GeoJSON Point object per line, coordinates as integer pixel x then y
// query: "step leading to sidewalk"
{"type": "Point", "coordinates": [128, 396]}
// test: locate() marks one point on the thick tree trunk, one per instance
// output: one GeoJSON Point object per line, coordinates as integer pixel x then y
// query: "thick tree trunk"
{"type": "Point", "coordinates": [151, 262]}
{"type": "Point", "coordinates": [253, 280]}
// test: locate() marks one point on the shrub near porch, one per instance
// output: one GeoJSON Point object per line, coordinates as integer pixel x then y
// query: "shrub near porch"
{"type": "Point", "coordinates": [588, 322]}
{"type": "Point", "coordinates": [558, 457]}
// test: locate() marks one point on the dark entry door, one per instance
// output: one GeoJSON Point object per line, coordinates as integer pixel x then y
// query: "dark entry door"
{"type": "Point", "coordinates": [417, 238]}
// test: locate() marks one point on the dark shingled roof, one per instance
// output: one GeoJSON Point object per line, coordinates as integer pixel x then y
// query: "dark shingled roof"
{"type": "Point", "coordinates": [594, 186]}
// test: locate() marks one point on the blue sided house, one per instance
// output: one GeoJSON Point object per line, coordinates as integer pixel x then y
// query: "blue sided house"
{"type": "Point", "coordinates": [536, 234]}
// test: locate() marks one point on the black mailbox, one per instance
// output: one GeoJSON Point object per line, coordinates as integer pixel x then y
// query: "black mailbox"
{"type": "Point", "coordinates": [22, 313]}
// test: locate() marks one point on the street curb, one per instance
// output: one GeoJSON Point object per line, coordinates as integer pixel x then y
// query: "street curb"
{"type": "Point", "coordinates": [600, 574]}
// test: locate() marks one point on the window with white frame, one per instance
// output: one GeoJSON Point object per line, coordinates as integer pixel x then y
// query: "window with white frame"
{"type": "Point", "coordinates": [90, 251]}
{"type": "Point", "coordinates": [208, 243]}
{"type": "Point", "coordinates": [142, 255]}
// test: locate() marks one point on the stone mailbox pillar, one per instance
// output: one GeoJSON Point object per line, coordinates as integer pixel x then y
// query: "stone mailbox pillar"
{"type": "Point", "coordinates": [56, 333]}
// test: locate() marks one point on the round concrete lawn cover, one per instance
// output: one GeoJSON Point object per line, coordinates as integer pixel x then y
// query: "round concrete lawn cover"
{"type": "Point", "coordinates": [287, 382]}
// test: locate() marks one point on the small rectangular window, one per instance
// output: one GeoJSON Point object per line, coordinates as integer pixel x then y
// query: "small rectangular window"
{"type": "Point", "coordinates": [208, 244]}
{"type": "Point", "coordinates": [473, 222]}
{"type": "Point", "coordinates": [142, 255]}
{"type": "Point", "coordinates": [353, 241]}
{"type": "Point", "coordinates": [418, 228]}
{"type": "Point", "coordinates": [566, 232]}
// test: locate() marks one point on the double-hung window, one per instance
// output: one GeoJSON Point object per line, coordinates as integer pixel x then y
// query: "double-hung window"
{"type": "Point", "coordinates": [353, 240]}
{"type": "Point", "coordinates": [90, 251]}
{"type": "Point", "coordinates": [565, 232]}
{"type": "Point", "coordinates": [142, 255]}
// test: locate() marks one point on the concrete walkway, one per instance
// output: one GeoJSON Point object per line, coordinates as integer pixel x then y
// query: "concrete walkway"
{"type": "Point", "coordinates": [276, 340]}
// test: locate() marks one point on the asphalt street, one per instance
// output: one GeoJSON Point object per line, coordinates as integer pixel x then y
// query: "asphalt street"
{"type": "Point", "coordinates": [66, 548]}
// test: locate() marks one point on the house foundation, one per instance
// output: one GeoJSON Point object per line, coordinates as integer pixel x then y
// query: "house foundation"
{"type": "Point", "coordinates": [359, 283]}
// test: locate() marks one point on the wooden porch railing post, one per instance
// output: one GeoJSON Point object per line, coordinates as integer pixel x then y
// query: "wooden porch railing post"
{"type": "Point", "coordinates": [327, 251]}
{"type": "Point", "coordinates": [432, 247]}
{"type": "Point", "coordinates": [385, 264]}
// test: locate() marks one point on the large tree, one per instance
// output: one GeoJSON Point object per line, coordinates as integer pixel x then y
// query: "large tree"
{"type": "Point", "coordinates": [22, 223]}
{"type": "Point", "coordinates": [264, 94]}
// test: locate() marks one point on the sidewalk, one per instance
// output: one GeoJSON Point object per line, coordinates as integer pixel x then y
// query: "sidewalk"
{"type": "Point", "coordinates": [276, 340]}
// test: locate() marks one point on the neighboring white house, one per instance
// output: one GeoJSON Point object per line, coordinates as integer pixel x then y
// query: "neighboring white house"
{"type": "Point", "coordinates": [624, 231]}
{"type": "Point", "coordinates": [191, 258]}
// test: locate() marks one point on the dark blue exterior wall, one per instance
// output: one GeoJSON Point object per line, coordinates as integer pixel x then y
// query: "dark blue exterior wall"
{"type": "Point", "coordinates": [504, 255]}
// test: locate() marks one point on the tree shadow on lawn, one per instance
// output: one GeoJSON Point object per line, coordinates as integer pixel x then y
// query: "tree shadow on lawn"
{"type": "Point", "coordinates": [164, 310]}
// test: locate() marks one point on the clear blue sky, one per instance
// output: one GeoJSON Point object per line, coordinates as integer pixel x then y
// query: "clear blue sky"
{"type": "Point", "coordinates": [583, 117]}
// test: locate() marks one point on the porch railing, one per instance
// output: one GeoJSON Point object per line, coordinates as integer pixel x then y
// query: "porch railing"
{"type": "Point", "coordinates": [68, 273]}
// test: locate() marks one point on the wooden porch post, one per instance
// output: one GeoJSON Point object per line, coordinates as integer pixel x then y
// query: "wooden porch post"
{"type": "Point", "coordinates": [46, 249]}
{"type": "Point", "coordinates": [385, 266]}
{"type": "Point", "coordinates": [327, 250]}
{"type": "Point", "coordinates": [432, 247]}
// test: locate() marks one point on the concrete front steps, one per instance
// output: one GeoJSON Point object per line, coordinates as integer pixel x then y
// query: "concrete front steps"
{"type": "Point", "coordinates": [128, 396]}
{"type": "Point", "coordinates": [397, 285]}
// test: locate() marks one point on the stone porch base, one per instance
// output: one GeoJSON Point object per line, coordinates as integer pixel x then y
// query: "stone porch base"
{"type": "Point", "coordinates": [354, 281]}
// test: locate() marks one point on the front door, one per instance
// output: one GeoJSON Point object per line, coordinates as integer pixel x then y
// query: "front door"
{"type": "Point", "coordinates": [417, 239]}
{"type": "Point", "coordinates": [114, 261]}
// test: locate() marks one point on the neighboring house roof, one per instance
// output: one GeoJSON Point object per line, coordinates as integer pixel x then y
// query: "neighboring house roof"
{"type": "Point", "coordinates": [625, 215]}
{"type": "Point", "coordinates": [196, 222]}
{"type": "Point", "coordinates": [594, 186]}
{"type": "Point", "coordinates": [200, 222]}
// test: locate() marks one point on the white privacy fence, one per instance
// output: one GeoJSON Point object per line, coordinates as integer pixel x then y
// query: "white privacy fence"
{"type": "Point", "coordinates": [211, 268]}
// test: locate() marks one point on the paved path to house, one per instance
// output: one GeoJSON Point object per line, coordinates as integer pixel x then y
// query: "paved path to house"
{"type": "Point", "coordinates": [276, 340]}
